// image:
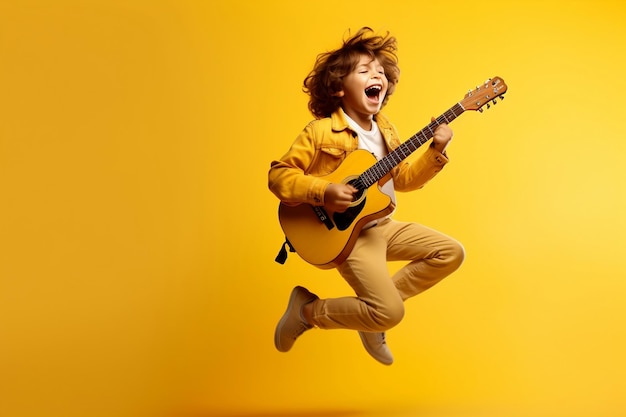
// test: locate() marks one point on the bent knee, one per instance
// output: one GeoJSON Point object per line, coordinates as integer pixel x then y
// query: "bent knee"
{"type": "Point", "coordinates": [456, 255]}
{"type": "Point", "coordinates": [388, 316]}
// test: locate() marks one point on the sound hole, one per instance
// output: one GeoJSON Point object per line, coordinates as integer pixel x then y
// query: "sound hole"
{"type": "Point", "coordinates": [345, 219]}
{"type": "Point", "coordinates": [356, 183]}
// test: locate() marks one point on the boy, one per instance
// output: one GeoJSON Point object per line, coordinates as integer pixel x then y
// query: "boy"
{"type": "Point", "coordinates": [347, 89]}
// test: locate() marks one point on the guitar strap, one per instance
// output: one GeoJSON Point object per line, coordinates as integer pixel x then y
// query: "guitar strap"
{"type": "Point", "coordinates": [281, 258]}
{"type": "Point", "coordinates": [323, 216]}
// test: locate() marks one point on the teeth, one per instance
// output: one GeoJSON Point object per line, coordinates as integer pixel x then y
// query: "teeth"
{"type": "Point", "coordinates": [373, 90]}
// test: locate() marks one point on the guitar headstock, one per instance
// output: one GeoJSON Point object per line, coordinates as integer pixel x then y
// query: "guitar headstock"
{"type": "Point", "coordinates": [484, 94]}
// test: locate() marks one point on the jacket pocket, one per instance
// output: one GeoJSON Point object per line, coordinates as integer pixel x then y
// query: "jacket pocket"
{"type": "Point", "coordinates": [327, 160]}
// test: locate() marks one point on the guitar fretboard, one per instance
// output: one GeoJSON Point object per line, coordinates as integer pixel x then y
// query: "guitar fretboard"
{"type": "Point", "coordinates": [386, 164]}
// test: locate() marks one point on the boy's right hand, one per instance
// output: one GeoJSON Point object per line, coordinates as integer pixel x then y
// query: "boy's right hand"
{"type": "Point", "coordinates": [338, 197]}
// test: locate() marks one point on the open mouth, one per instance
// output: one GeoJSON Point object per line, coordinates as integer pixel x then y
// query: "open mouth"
{"type": "Point", "coordinates": [373, 92]}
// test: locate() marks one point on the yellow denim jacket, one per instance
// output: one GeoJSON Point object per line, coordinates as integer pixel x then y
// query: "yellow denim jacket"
{"type": "Point", "coordinates": [323, 145]}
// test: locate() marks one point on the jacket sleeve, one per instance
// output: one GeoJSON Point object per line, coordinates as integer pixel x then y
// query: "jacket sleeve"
{"type": "Point", "coordinates": [409, 176]}
{"type": "Point", "coordinates": [287, 177]}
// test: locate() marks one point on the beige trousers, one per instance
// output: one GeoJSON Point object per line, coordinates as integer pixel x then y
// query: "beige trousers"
{"type": "Point", "coordinates": [379, 301]}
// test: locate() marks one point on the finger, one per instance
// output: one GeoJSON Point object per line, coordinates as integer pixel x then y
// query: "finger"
{"type": "Point", "coordinates": [346, 196]}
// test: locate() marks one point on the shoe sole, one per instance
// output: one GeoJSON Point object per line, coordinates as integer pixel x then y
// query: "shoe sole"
{"type": "Point", "coordinates": [372, 354]}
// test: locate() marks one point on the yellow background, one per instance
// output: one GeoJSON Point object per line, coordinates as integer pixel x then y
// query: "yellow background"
{"type": "Point", "coordinates": [138, 235]}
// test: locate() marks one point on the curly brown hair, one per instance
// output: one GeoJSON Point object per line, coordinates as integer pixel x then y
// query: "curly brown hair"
{"type": "Point", "coordinates": [325, 80]}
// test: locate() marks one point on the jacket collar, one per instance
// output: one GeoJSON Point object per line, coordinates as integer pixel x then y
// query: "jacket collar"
{"type": "Point", "coordinates": [339, 121]}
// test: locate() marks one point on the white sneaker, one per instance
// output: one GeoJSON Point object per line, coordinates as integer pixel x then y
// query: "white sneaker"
{"type": "Point", "coordinates": [376, 346]}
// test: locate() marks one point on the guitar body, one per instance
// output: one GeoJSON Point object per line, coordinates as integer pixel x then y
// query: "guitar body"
{"type": "Point", "coordinates": [310, 236]}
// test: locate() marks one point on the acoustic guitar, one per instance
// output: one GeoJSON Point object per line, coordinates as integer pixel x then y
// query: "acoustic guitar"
{"type": "Point", "coordinates": [325, 238]}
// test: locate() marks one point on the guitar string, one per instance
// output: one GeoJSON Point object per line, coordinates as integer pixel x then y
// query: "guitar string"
{"type": "Point", "coordinates": [383, 166]}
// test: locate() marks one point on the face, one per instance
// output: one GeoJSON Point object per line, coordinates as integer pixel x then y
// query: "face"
{"type": "Point", "coordinates": [364, 90]}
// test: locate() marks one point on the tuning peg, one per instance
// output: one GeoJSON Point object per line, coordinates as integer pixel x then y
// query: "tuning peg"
{"type": "Point", "coordinates": [495, 101]}
{"type": "Point", "coordinates": [488, 106]}
{"type": "Point", "coordinates": [481, 110]}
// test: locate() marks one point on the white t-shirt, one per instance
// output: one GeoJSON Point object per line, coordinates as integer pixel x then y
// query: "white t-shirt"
{"type": "Point", "coordinates": [372, 141]}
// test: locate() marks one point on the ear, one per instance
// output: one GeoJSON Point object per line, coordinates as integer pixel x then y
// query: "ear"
{"type": "Point", "coordinates": [339, 93]}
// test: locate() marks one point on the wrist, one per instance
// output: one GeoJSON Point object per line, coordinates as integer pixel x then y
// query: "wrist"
{"type": "Point", "coordinates": [440, 147]}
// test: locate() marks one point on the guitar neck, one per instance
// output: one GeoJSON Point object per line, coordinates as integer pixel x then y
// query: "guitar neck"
{"type": "Point", "coordinates": [386, 164]}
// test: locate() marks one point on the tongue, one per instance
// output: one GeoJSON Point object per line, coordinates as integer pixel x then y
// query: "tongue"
{"type": "Point", "coordinates": [372, 96]}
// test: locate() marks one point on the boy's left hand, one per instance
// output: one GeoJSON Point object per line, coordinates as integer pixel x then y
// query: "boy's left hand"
{"type": "Point", "coordinates": [442, 136]}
